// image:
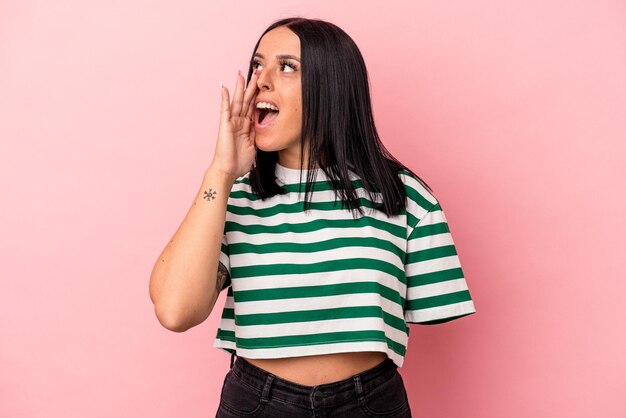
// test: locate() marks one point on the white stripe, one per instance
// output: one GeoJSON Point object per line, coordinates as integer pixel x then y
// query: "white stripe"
{"type": "Point", "coordinates": [294, 197]}
{"type": "Point", "coordinates": [434, 217]}
{"type": "Point", "coordinates": [322, 302]}
{"type": "Point", "coordinates": [320, 327]}
{"type": "Point", "coordinates": [227, 324]}
{"type": "Point", "coordinates": [314, 236]}
{"type": "Point", "coordinates": [440, 312]}
{"type": "Point", "coordinates": [432, 266]}
{"type": "Point", "coordinates": [417, 186]}
{"type": "Point", "coordinates": [312, 215]}
{"type": "Point", "coordinates": [429, 241]}
{"type": "Point", "coordinates": [342, 253]}
{"type": "Point", "coordinates": [320, 279]}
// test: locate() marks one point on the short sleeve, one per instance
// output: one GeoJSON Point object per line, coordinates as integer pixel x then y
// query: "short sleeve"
{"type": "Point", "coordinates": [225, 260]}
{"type": "Point", "coordinates": [436, 288]}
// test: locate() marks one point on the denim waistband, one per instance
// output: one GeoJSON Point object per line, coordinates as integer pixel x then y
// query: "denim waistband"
{"type": "Point", "coordinates": [335, 392]}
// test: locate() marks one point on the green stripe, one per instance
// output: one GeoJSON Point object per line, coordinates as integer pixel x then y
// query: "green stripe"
{"type": "Point", "coordinates": [427, 230]}
{"type": "Point", "coordinates": [319, 291]}
{"type": "Point", "coordinates": [430, 254]}
{"type": "Point", "coordinates": [435, 277]}
{"type": "Point", "coordinates": [442, 320]}
{"type": "Point", "coordinates": [323, 266]}
{"type": "Point", "coordinates": [226, 335]}
{"type": "Point", "coordinates": [228, 313]}
{"type": "Point", "coordinates": [316, 339]}
{"type": "Point", "coordinates": [317, 225]}
{"type": "Point", "coordinates": [292, 247]}
{"type": "Point", "coordinates": [322, 315]}
{"type": "Point", "coordinates": [282, 209]}
{"type": "Point", "coordinates": [417, 198]}
{"type": "Point", "coordinates": [439, 300]}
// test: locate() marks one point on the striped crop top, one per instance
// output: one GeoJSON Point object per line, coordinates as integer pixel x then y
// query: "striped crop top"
{"type": "Point", "coordinates": [319, 282]}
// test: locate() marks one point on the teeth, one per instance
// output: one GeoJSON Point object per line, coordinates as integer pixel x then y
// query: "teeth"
{"type": "Point", "coordinates": [265, 105]}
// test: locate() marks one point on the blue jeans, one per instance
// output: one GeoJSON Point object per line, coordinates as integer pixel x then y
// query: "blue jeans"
{"type": "Point", "coordinates": [249, 391]}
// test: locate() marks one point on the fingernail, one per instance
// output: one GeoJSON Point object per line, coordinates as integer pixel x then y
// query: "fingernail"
{"type": "Point", "coordinates": [239, 72]}
{"type": "Point", "coordinates": [221, 84]}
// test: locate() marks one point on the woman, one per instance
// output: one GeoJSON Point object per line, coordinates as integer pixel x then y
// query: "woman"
{"type": "Point", "coordinates": [327, 245]}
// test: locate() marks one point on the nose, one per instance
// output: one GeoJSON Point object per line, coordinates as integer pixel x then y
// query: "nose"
{"type": "Point", "coordinates": [263, 81]}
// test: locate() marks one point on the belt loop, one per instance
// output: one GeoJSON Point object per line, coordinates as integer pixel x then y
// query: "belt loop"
{"type": "Point", "coordinates": [265, 394]}
{"type": "Point", "coordinates": [359, 388]}
{"type": "Point", "coordinates": [232, 359]}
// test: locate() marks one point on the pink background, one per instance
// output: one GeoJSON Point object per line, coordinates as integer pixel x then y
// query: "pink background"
{"type": "Point", "coordinates": [513, 111]}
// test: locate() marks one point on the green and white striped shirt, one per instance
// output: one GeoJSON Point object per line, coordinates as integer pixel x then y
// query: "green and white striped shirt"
{"type": "Point", "coordinates": [322, 282]}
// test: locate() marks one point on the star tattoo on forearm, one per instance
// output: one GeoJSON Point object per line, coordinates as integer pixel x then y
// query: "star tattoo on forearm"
{"type": "Point", "coordinates": [210, 195]}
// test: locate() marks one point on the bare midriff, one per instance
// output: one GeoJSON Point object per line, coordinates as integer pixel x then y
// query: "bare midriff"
{"type": "Point", "coordinates": [320, 369]}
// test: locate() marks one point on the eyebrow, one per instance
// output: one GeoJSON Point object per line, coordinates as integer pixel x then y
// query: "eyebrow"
{"type": "Point", "coordinates": [282, 56]}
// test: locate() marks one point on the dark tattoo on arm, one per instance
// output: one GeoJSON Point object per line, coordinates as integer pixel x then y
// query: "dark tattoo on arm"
{"type": "Point", "coordinates": [210, 195]}
{"type": "Point", "coordinates": [222, 277]}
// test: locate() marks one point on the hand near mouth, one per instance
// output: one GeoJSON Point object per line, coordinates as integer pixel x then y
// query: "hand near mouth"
{"type": "Point", "coordinates": [235, 149]}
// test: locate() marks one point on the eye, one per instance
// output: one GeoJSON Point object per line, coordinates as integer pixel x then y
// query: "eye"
{"type": "Point", "coordinates": [283, 63]}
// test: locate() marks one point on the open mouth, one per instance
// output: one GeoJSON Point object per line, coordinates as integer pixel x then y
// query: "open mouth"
{"type": "Point", "coordinates": [265, 116]}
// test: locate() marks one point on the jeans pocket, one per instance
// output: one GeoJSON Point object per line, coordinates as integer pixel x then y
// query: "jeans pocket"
{"type": "Point", "coordinates": [385, 399]}
{"type": "Point", "coordinates": [239, 398]}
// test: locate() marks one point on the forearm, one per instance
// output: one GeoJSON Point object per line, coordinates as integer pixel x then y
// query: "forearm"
{"type": "Point", "coordinates": [184, 277]}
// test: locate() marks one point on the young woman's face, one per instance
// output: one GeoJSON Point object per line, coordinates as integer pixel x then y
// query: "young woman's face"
{"type": "Point", "coordinates": [280, 82]}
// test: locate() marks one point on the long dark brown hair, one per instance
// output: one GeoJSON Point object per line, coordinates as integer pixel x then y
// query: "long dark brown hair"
{"type": "Point", "coordinates": [337, 119]}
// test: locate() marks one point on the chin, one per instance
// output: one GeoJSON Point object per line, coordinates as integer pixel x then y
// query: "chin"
{"type": "Point", "coordinates": [266, 147]}
{"type": "Point", "coordinates": [266, 144]}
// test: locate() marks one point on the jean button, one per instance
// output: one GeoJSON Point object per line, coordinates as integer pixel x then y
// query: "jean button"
{"type": "Point", "coordinates": [318, 395]}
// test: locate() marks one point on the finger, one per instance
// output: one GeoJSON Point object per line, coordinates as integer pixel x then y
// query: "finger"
{"type": "Point", "coordinates": [225, 108]}
{"type": "Point", "coordinates": [250, 91]}
{"type": "Point", "coordinates": [252, 136]}
{"type": "Point", "coordinates": [251, 109]}
{"type": "Point", "coordinates": [235, 109]}
{"type": "Point", "coordinates": [248, 119]}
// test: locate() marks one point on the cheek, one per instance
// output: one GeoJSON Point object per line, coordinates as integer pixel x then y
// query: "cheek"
{"type": "Point", "coordinates": [294, 115]}
{"type": "Point", "coordinates": [295, 119]}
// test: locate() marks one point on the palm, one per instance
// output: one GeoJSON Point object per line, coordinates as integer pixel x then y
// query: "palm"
{"type": "Point", "coordinates": [240, 133]}
{"type": "Point", "coordinates": [235, 150]}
